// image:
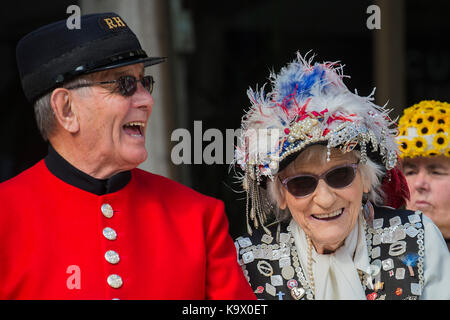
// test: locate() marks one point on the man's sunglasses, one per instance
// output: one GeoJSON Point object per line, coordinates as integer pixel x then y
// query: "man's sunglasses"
{"type": "Point", "coordinates": [303, 185]}
{"type": "Point", "coordinates": [126, 85]}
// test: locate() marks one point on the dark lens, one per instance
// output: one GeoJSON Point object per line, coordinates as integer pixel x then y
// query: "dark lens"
{"type": "Point", "coordinates": [147, 82]}
{"type": "Point", "coordinates": [302, 186]}
{"type": "Point", "coordinates": [127, 85]}
{"type": "Point", "coordinates": [340, 177]}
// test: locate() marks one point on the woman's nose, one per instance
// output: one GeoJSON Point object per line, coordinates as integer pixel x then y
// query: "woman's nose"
{"type": "Point", "coordinates": [324, 195]}
{"type": "Point", "coordinates": [421, 182]}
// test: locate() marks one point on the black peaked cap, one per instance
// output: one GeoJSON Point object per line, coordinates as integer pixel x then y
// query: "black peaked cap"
{"type": "Point", "coordinates": [53, 54]}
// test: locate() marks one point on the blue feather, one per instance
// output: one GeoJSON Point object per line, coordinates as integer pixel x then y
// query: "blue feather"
{"type": "Point", "coordinates": [410, 259]}
{"type": "Point", "coordinates": [296, 79]}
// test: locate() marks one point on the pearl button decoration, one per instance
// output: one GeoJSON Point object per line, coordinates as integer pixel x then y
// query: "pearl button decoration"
{"type": "Point", "coordinates": [273, 165]}
{"type": "Point", "coordinates": [114, 281]}
{"type": "Point", "coordinates": [112, 257]}
{"type": "Point", "coordinates": [110, 233]}
{"type": "Point", "coordinates": [107, 210]}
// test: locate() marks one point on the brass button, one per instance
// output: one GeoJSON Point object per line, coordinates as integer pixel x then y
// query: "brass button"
{"type": "Point", "coordinates": [114, 281]}
{"type": "Point", "coordinates": [109, 233]}
{"type": "Point", "coordinates": [107, 210]}
{"type": "Point", "coordinates": [112, 257]}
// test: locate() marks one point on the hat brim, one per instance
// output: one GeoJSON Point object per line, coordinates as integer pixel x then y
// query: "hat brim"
{"type": "Point", "coordinates": [150, 61]}
{"type": "Point", "coordinates": [373, 155]}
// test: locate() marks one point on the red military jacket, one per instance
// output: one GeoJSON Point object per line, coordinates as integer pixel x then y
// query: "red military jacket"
{"type": "Point", "coordinates": [152, 239]}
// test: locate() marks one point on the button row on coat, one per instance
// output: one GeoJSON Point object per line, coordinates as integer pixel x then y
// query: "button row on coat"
{"type": "Point", "coordinates": [113, 280]}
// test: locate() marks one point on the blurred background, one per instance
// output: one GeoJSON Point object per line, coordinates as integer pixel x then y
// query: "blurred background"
{"type": "Point", "coordinates": [218, 49]}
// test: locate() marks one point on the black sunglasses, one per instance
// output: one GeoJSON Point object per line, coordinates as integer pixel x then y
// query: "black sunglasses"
{"type": "Point", "coordinates": [127, 85]}
{"type": "Point", "coordinates": [303, 185]}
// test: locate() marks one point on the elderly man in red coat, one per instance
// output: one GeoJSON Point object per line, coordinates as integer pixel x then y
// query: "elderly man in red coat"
{"type": "Point", "coordinates": [85, 223]}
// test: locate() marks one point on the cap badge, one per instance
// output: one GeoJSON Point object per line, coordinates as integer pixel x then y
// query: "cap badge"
{"type": "Point", "coordinates": [113, 23]}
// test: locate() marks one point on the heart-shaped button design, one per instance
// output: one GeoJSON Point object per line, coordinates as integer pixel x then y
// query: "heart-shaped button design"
{"type": "Point", "coordinates": [297, 293]}
{"type": "Point", "coordinates": [372, 296]}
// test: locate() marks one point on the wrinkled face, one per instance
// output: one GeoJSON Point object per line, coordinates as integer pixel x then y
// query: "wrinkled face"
{"type": "Point", "coordinates": [111, 125]}
{"type": "Point", "coordinates": [327, 215]}
{"type": "Point", "coordinates": [429, 185]}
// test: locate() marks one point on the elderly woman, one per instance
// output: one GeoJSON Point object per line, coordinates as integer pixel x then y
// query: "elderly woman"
{"type": "Point", "coordinates": [324, 160]}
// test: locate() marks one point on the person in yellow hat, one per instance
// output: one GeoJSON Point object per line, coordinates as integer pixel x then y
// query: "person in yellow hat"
{"type": "Point", "coordinates": [425, 151]}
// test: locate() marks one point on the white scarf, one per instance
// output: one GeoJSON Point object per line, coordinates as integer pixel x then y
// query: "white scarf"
{"type": "Point", "coordinates": [335, 275]}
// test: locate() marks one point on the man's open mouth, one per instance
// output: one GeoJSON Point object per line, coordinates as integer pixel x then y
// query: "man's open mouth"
{"type": "Point", "coordinates": [134, 129]}
{"type": "Point", "coordinates": [328, 216]}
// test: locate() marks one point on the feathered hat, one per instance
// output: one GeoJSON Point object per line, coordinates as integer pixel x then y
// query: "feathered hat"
{"type": "Point", "coordinates": [308, 104]}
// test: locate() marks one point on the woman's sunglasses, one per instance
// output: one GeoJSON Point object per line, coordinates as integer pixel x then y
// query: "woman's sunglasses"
{"type": "Point", "coordinates": [303, 185]}
{"type": "Point", "coordinates": [126, 85]}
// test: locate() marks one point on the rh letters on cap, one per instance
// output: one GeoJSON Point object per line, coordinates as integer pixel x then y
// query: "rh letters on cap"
{"type": "Point", "coordinates": [112, 23]}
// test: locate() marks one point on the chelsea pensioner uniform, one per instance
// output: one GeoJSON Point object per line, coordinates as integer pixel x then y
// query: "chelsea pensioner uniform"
{"type": "Point", "coordinates": [66, 235]}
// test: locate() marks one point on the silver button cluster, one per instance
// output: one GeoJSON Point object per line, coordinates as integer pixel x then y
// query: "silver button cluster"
{"type": "Point", "coordinates": [114, 280]}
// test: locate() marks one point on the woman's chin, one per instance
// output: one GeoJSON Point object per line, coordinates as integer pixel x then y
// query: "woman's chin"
{"type": "Point", "coordinates": [328, 244]}
{"type": "Point", "coordinates": [329, 233]}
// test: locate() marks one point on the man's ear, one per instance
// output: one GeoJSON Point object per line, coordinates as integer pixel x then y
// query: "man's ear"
{"type": "Point", "coordinates": [61, 102]}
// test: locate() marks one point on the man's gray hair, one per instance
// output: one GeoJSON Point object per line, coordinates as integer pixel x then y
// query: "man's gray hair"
{"type": "Point", "coordinates": [370, 171]}
{"type": "Point", "coordinates": [45, 117]}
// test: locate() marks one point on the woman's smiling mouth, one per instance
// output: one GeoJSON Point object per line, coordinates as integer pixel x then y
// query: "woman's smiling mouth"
{"type": "Point", "coordinates": [328, 216]}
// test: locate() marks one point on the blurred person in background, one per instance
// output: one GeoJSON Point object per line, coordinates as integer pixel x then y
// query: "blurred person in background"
{"type": "Point", "coordinates": [425, 151]}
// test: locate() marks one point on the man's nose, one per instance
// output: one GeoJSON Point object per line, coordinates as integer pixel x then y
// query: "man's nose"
{"type": "Point", "coordinates": [142, 98]}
